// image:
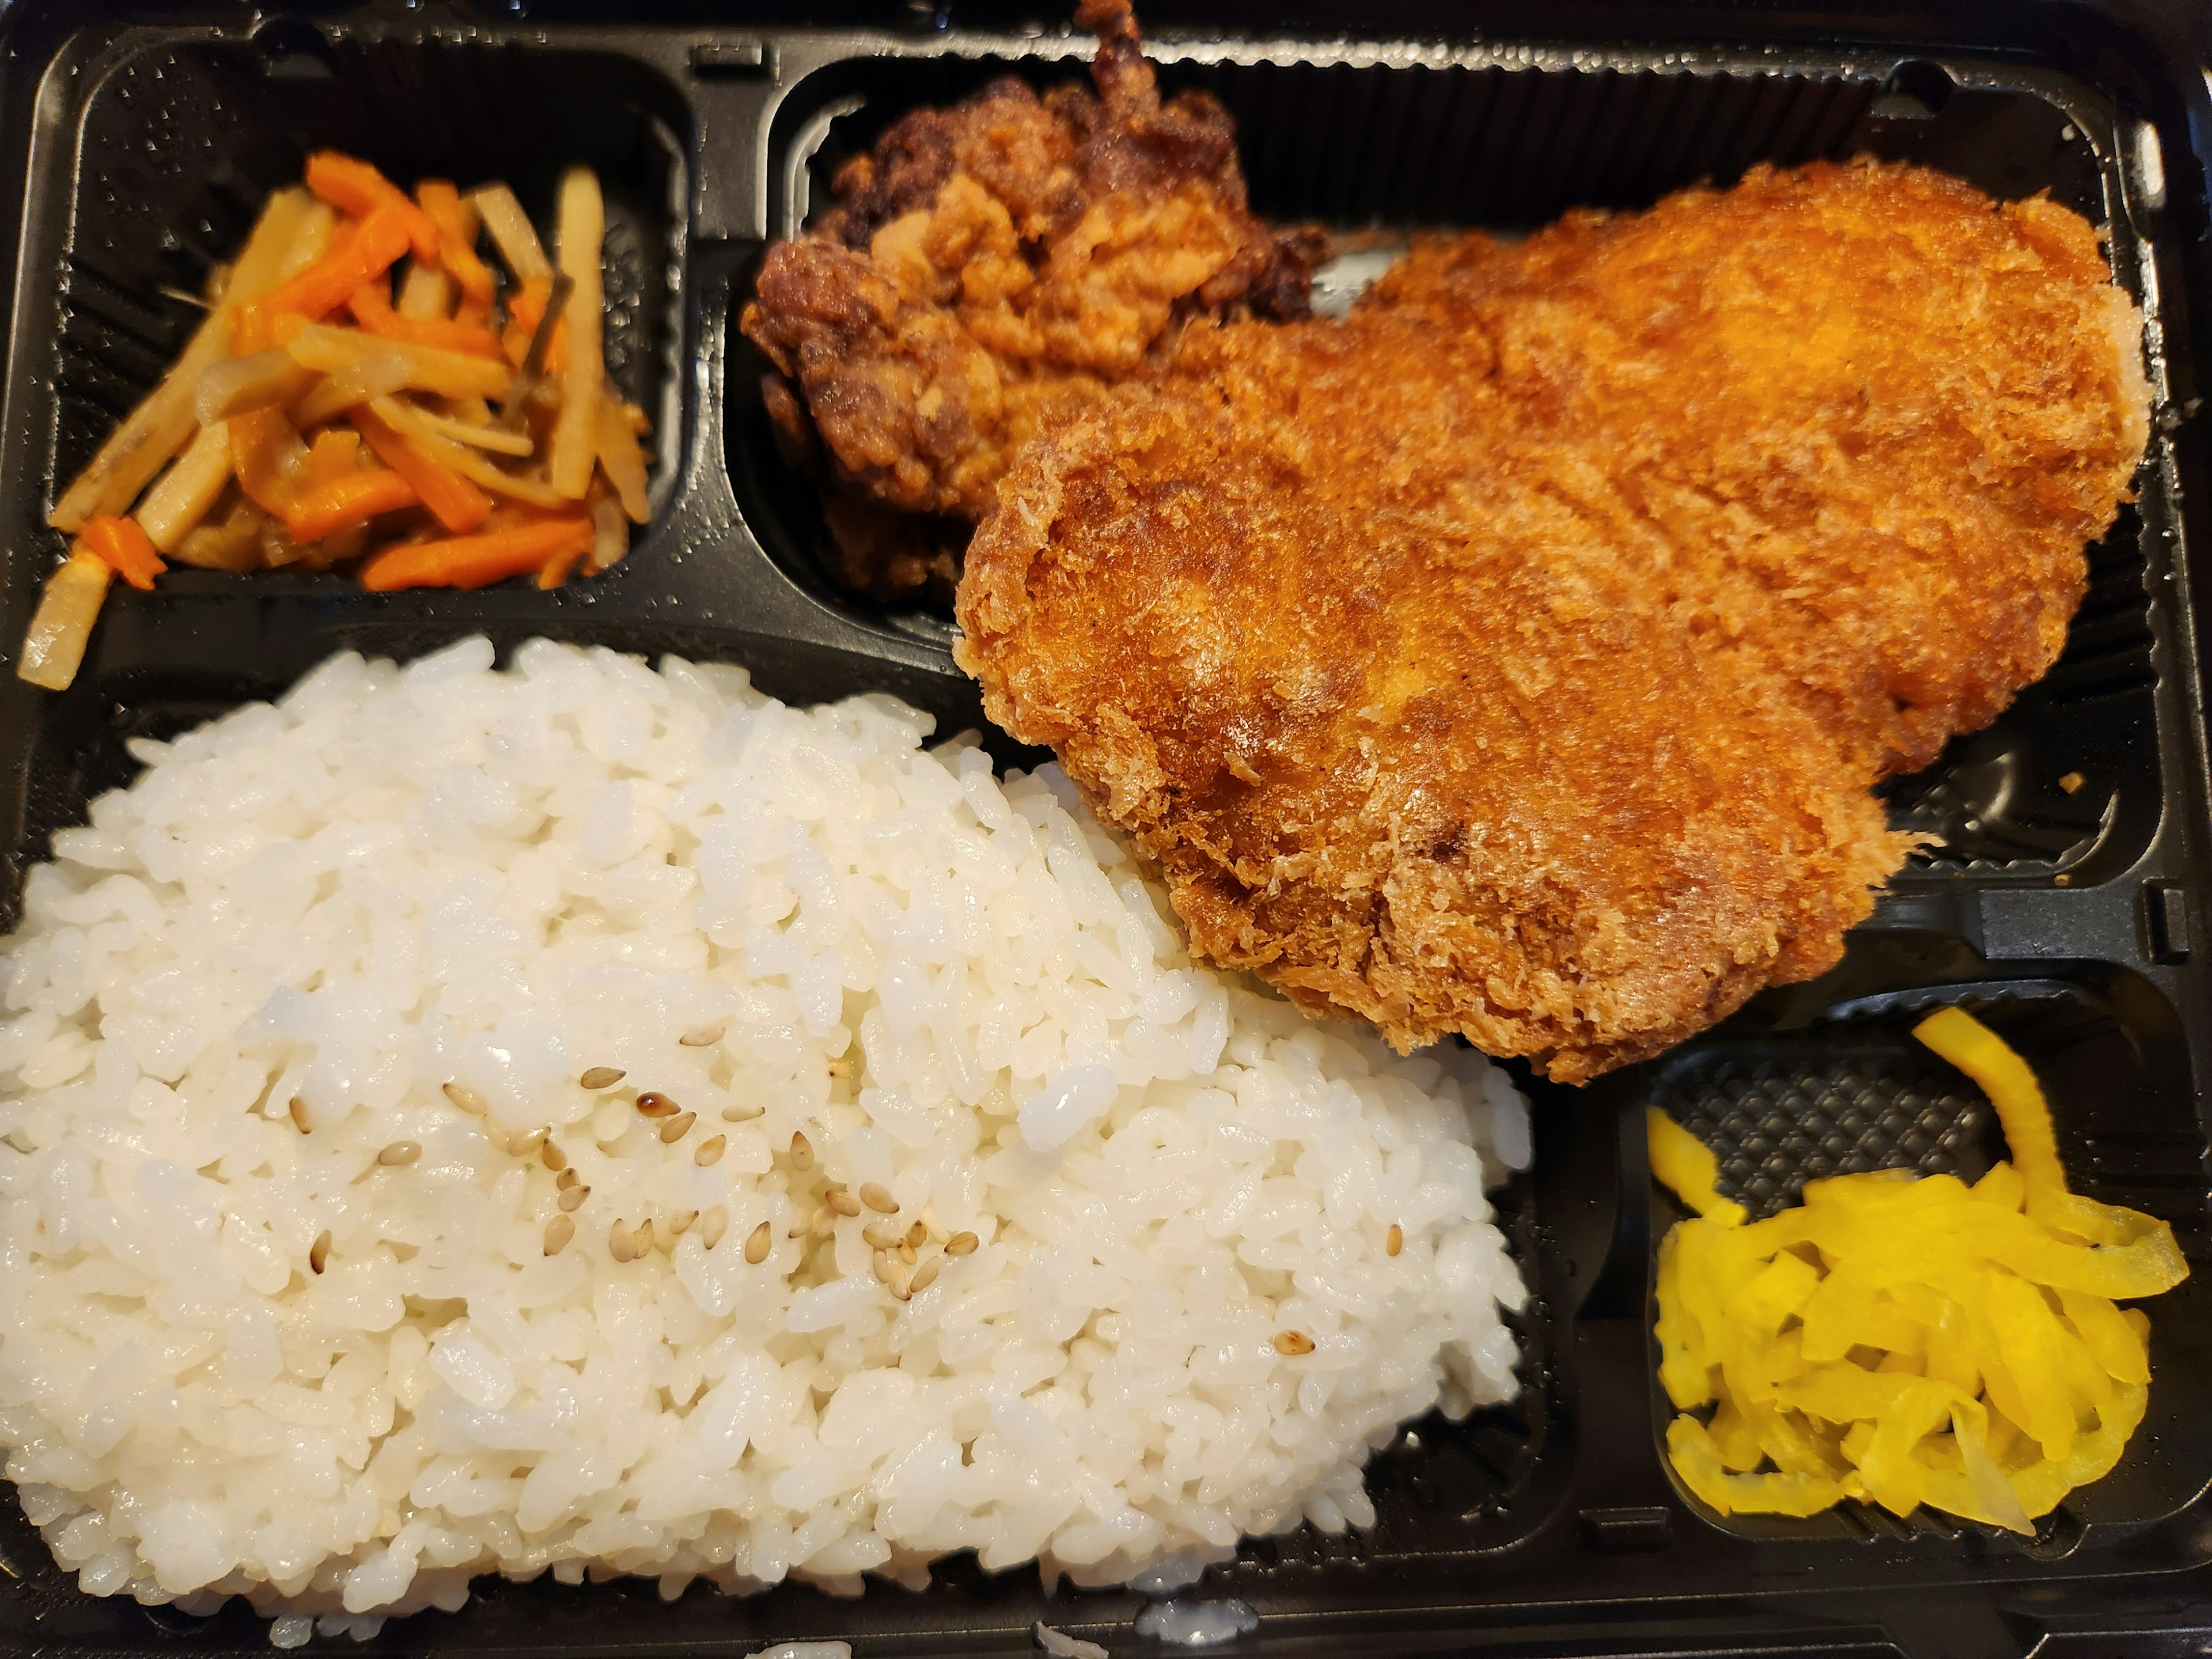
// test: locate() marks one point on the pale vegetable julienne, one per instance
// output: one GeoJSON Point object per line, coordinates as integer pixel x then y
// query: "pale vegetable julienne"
{"type": "Point", "coordinates": [259, 423]}
{"type": "Point", "coordinates": [1908, 1341]}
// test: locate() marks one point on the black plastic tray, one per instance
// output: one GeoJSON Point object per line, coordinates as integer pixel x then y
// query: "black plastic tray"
{"type": "Point", "coordinates": [135, 143]}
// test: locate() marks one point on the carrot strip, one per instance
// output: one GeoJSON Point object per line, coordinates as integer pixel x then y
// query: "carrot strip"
{"type": "Point", "coordinates": [347, 500]}
{"type": "Point", "coordinates": [255, 331]}
{"type": "Point", "coordinates": [371, 303]}
{"type": "Point", "coordinates": [372, 308]}
{"type": "Point", "coordinates": [457, 238]}
{"type": "Point", "coordinates": [354, 186]}
{"type": "Point", "coordinates": [554, 573]}
{"type": "Point", "coordinates": [453, 500]}
{"type": "Point", "coordinates": [335, 454]}
{"type": "Point", "coordinates": [525, 309]}
{"type": "Point", "coordinates": [372, 250]}
{"type": "Point", "coordinates": [476, 561]}
{"type": "Point", "coordinates": [124, 547]}
{"type": "Point", "coordinates": [268, 457]}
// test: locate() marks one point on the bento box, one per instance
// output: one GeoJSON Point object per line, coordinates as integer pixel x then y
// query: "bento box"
{"type": "Point", "coordinates": [2063, 902]}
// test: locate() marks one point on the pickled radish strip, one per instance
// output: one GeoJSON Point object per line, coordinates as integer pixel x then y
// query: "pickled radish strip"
{"type": "Point", "coordinates": [1908, 1341]}
{"type": "Point", "coordinates": [54, 646]}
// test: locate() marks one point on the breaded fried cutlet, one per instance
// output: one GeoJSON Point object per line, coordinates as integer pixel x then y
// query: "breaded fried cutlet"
{"type": "Point", "coordinates": [989, 269]}
{"type": "Point", "coordinates": [1516, 658]}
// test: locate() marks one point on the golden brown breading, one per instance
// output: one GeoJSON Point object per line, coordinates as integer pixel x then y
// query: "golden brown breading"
{"type": "Point", "coordinates": [1516, 657]}
{"type": "Point", "coordinates": [991, 268]}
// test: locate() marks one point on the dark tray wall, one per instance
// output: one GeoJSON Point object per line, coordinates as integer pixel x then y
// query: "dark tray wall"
{"type": "Point", "coordinates": [1556, 1523]}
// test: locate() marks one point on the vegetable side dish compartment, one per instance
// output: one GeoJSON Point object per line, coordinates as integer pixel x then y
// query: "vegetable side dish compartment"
{"type": "Point", "coordinates": [2060, 825]}
{"type": "Point", "coordinates": [181, 143]}
{"type": "Point", "coordinates": [1852, 1090]}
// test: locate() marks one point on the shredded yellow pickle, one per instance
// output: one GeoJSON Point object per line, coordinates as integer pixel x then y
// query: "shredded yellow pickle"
{"type": "Point", "coordinates": [1908, 1340]}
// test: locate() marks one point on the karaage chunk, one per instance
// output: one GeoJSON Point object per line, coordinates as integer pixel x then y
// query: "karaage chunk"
{"type": "Point", "coordinates": [990, 269]}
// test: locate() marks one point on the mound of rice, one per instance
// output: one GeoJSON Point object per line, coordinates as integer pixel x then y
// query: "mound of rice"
{"type": "Point", "coordinates": [978, 1217]}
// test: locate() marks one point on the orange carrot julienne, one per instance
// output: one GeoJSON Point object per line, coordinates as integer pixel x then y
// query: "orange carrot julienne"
{"type": "Point", "coordinates": [456, 245]}
{"type": "Point", "coordinates": [372, 308]}
{"type": "Point", "coordinates": [256, 330]}
{"type": "Point", "coordinates": [525, 308]}
{"type": "Point", "coordinates": [335, 454]}
{"type": "Point", "coordinates": [373, 248]}
{"type": "Point", "coordinates": [455, 502]}
{"type": "Point", "coordinates": [347, 500]}
{"type": "Point", "coordinates": [476, 561]}
{"type": "Point", "coordinates": [123, 547]}
{"type": "Point", "coordinates": [354, 186]}
{"type": "Point", "coordinates": [262, 447]}
{"type": "Point", "coordinates": [554, 573]}
{"type": "Point", "coordinates": [371, 302]}
{"type": "Point", "coordinates": [250, 331]}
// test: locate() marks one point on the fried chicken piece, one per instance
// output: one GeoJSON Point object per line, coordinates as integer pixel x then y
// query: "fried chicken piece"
{"type": "Point", "coordinates": [1516, 657]}
{"type": "Point", "coordinates": [991, 268]}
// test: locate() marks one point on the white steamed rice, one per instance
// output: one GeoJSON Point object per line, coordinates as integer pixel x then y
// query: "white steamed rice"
{"type": "Point", "coordinates": [955, 988]}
